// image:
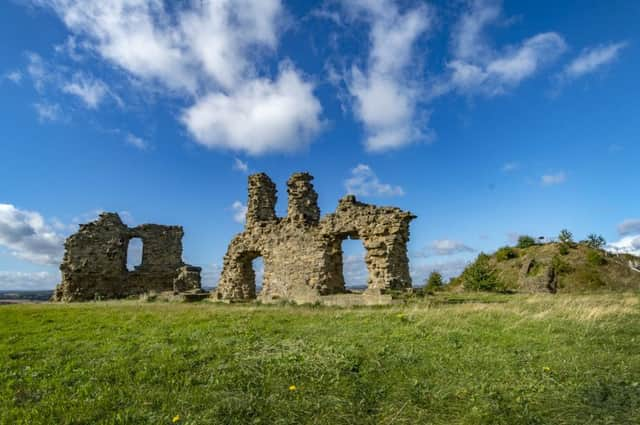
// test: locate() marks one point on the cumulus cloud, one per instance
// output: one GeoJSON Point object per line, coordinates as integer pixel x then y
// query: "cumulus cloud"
{"type": "Point", "coordinates": [626, 245]}
{"type": "Point", "coordinates": [136, 142]}
{"type": "Point", "coordinates": [478, 68]}
{"type": "Point", "coordinates": [27, 236]}
{"type": "Point", "coordinates": [240, 165]}
{"type": "Point", "coordinates": [261, 116]}
{"type": "Point", "coordinates": [90, 91]}
{"type": "Point", "coordinates": [629, 226]}
{"type": "Point", "coordinates": [448, 268]}
{"type": "Point", "coordinates": [364, 182]}
{"type": "Point", "coordinates": [25, 281]}
{"type": "Point", "coordinates": [208, 52]}
{"type": "Point", "coordinates": [553, 179]}
{"type": "Point", "coordinates": [593, 58]}
{"type": "Point", "coordinates": [385, 96]}
{"type": "Point", "coordinates": [239, 212]}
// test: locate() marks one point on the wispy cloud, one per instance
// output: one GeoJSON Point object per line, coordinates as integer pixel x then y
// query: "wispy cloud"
{"type": "Point", "coordinates": [593, 58]}
{"type": "Point", "coordinates": [385, 95]}
{"type": "Point", "coordinates": [14, 76]}
{"type": "Point", "coordinates": [553, 179]}
{"type": "Point", "coordinates": [136, 142]}
{"type": "Point", "coordinates": [478, 68]}
{"type": "Point", "coordinates": [48, 112]}
{"type": "Point", "coordinates": [364, 182]}
{"type": "Point", "coordinates": [510, 166]}
{"type": "Point", "coordinates": [444, 247]}
{"type": "Point", "coordinates": [240, 165]}
{"type": "Point", "coordinates": [91, 91]}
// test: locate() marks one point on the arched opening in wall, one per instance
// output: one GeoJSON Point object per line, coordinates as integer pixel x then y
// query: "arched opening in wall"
{"type": "Point", "coordinates": [258, 270]}
{"type": "Point", "coordinates": [134, 254]}
{"type": "Point", "coordinates": [354, 268]}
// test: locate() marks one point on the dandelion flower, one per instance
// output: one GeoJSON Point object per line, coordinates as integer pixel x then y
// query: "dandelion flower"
{"type": "Point", "coordinates": [292, 388]}
{"type": "Point", "coordinates": [176, 419]}
{"type": "Point", "coordinates": [546, 369]}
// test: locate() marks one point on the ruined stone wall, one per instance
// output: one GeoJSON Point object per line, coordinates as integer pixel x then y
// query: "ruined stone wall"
{"type": "Point", "coordinates": [302, 253]}
{"type": "Point", "coordinates": [95, 261]}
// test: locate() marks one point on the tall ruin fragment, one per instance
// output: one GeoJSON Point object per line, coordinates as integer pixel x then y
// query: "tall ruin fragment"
{"type": "Point", "coordinates": [95, 261]}
{"type": "Point", "coordinates": [302, 252]}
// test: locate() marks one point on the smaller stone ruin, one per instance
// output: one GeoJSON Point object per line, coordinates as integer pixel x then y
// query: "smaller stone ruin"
{"type": "Point", "coordinates": [302, 252]}
{"type": "Point", "coordinates": [95, 261]}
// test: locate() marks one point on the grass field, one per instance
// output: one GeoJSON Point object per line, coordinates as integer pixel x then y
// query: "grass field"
{"type": "Point", "coordinates": [449, 359]}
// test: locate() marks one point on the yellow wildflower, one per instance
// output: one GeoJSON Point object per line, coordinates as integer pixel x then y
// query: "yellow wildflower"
{"type": "Point", "coordinates": [176, 419]}
{"type": "Point", "coordinates": [546, 369]}
{"type": "Point", "coordinates": [292, 388]}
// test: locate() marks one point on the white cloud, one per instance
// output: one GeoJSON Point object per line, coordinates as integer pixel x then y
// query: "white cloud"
{"type": "Point", "coordinates": [240, 165]}
{"type": "Point", "coordinates": [208, 52]}
{"type": "Point", "coordinates": [14, 76]}
{"type": "Point", "coordinates": [262, 116]}
{"type": "Point", "coordinates": [629, 226]}
{"type": "Point", "coordinates": [448, 268]}
{"type": "Point", "coordinates": [385, 96]}
{"type": "Point", "coordinates": [239, 212]}
{"type": "Point", "coordinates": [136, 142]}
{"type": "Point", "coordinates": [592, 58]}
{"type": "Point", "coordinates": [626, 245]}
{"type": "Point", "coordinates": [553, 179]}
{"type": "Point", "coordinates": [478, 68]}
{"type": "Point", "coordinates": [90, 91]}
{"type": "Point", "coordinates": [510, 166]}
{"type": "Point", "coordinates": [36, 69]}
{"type": "Point", "coordinates": [448, 247]}
{"type": "Point", "coordinates": [48, 112]}
{"type": "Point", "coordinates": [27, 236]}
{"type": "Point", "coordinates": [25, 281]}
{"type": "Point", "coordinates": [364, 182]}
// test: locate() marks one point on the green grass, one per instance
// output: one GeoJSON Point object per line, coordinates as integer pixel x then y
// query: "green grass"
{"type": "Point", "coordinates": [450, 359]}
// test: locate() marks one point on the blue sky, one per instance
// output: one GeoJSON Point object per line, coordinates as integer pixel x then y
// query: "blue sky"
{"type": "Point", "coordinates": [486, 119]}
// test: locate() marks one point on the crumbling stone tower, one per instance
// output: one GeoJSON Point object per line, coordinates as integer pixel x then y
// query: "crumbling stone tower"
{"type": "Point", "coordinates": [302, 252]}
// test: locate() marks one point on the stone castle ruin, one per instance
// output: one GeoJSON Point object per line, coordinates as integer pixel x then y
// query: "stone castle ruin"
{"type": "Point", "coordinates": [95, 261]}
{"type": "Point", "coordinates": [302, 252]}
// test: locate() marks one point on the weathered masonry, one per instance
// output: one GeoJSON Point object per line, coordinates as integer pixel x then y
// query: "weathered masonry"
{"type": "Point", "coordinates": [95, 261]}
{"type": "Point", "coordinates": [302, 252]}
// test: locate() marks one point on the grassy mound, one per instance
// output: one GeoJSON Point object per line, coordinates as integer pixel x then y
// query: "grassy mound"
{"type": "Point", "coordinates": [551, 267]}
{"type": "Point", "coordinates": [447, 359]}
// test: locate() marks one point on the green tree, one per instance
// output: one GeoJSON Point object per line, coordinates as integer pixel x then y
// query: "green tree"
{"type": "Point", "coordinates": [565, 237]}
{"type": "Point", "coordinates": [526, 241]}
{"type": "Point", "coordinates": [595, 241]}
{"type": "Point", "coordinates": [434, 282]}
{"type": "Point", "coordinates": [481, 276]}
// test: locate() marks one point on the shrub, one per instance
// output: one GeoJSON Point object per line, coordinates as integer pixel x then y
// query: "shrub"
{"type": "Point", "coordinates": [481, 276]}
{"type": "Point", "coordinates": [525, 241]}
{"type": "Point", "coordinates": [434, 282]}
{"type": "Point", "coordinates": [506, 253]}
{"type": "Point", "coordinates": [595, 241]}
{"type": "Point", "coordinates": [563, 249]}
{"type": "Point", "coordinates": [560, 266]}
{"type": "Point", "coordinates": [565, 237]}
{"type": "Point", "coordinates": [595, 258]}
